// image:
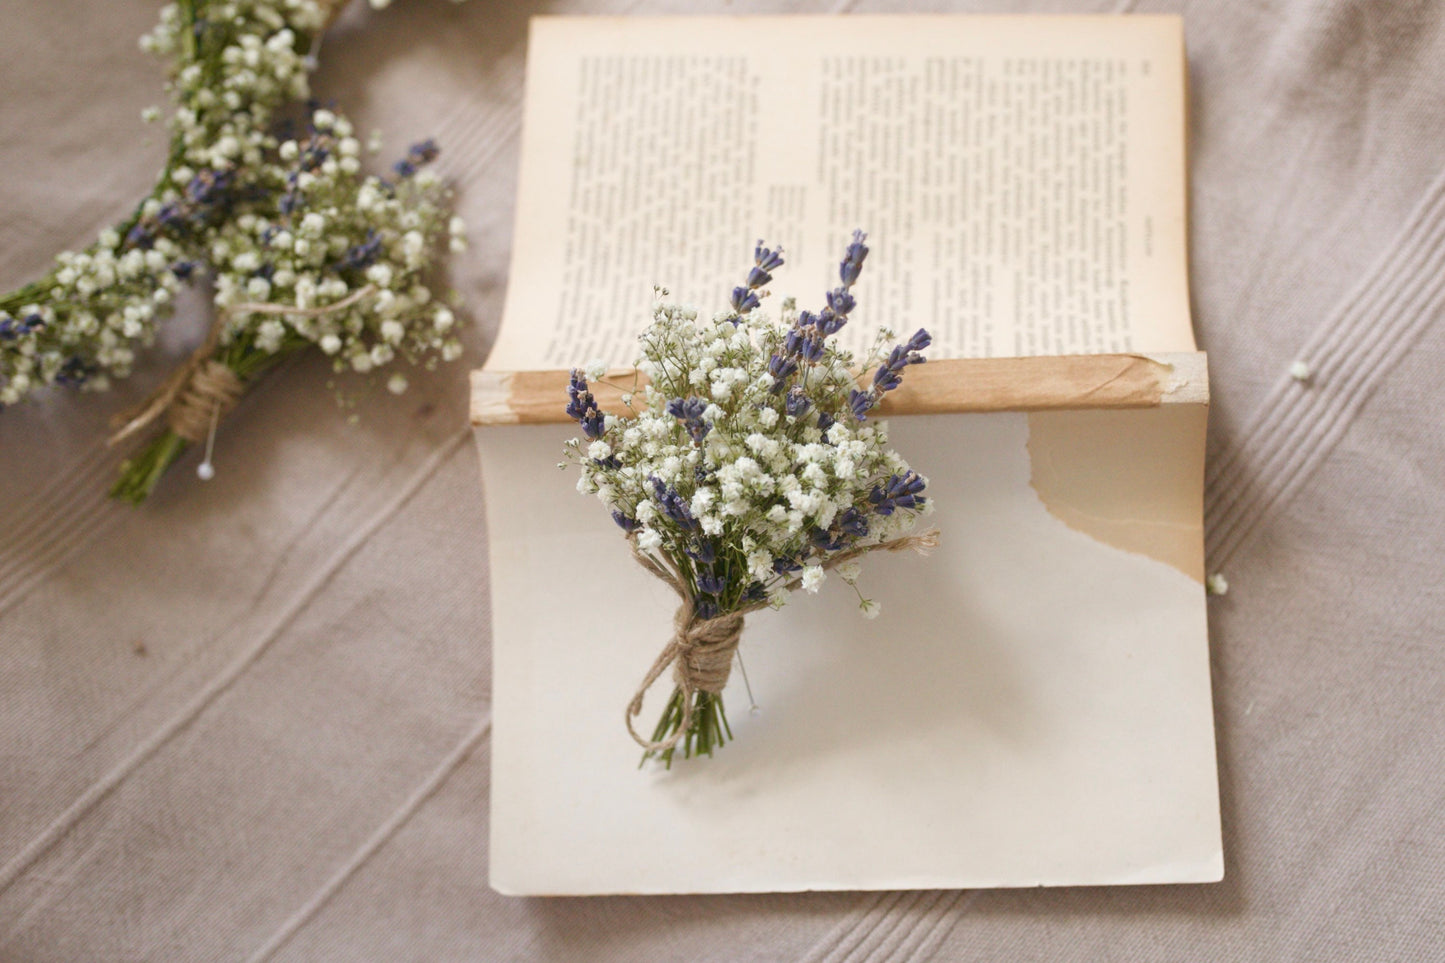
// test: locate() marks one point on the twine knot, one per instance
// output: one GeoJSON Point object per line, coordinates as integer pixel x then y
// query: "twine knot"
{"type": "Point", "coordinates": [701, 655]}
{"type": "Point", "coordinates": [705, 649]}
{"type": "Point", "coordinates": [208, 395]}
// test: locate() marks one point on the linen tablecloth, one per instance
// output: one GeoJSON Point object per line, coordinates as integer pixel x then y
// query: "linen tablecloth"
{"type": "Point", "coordinates": [250, 720]}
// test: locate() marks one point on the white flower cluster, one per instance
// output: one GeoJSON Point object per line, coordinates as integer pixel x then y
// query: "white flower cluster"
{"type": "Point", "coordinates": [747, 483]}
{"type": "Point", "coordinates": [99, 299]}
{"type": "Point", "coordinates": [285, 223]}
{"type": "Point", "coordinates": [352, 265]}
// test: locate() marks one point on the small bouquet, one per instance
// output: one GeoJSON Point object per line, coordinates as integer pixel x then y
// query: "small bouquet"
{"type": "Point", "coordinates": [747, 468]}
{"type": "Point", "coordinates": [272, 210]}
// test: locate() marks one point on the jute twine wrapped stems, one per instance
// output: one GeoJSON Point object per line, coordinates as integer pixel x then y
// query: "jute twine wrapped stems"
{"type": "Point", "coordinates": [701, 651]}
{"type": "Point", "coordinates": [203, 389]}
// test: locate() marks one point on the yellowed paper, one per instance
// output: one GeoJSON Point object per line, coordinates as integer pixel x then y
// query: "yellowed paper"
{"type": "Point", "coordinates": [1021, 178]}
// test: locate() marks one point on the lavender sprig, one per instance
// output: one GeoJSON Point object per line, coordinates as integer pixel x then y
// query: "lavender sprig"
{"type": "Point", "coordinates": [889, 374]}
{"type": "Point", "coordinates": [745, 297]}
{"type": "Point", "coordinates": [804, 345]}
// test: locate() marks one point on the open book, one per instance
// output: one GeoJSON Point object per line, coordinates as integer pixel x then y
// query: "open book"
{"type": "Point", "coordinates": [1033, 705]}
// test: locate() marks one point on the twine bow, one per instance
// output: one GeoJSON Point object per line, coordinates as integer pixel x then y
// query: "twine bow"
{"type": "Point", "coordinates": [701, 651]}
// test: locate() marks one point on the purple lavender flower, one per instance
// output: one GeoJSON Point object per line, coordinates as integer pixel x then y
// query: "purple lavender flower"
{"type": "Point", "coordinates": [744, 300]}
{"type": "Point", "coordinates": [74, 373]}
{"type": "Point", "coordinates": [689, 412]}
{"type": "Point", "coordinates": [780, 367]}
{"type": "Point", "coordinates": [583, 407]}
{"type": "Point", "coordinates": [840, 302]}
{"type": "Point", "coordinates": [811, 348]}
{"type": "Point", "coordinates": [419, 154]}
{"type": "Point", "coordinates": [702, 550]}
{"type": "Point", "coordinates": [797, 403]}
{"type": "Point", "coordinates": [859, 402]}
{"type": "Point", "coordinates": [140, 236]}
{"type": "Point", "coordinates": [673, 505]}
{"type": "Point", "coordinates": [765, 260]}
{"type": "Point", "coordinates": [805, 343]}
{"type": "Point", "coordinates": [710, 584]}
{"type": "Point", "coordinates": [11, 329]}
{"type": "Point", "coordinates": [362, 255]}
{"type": "Point", "coordinates": [852, 264]}
{"type": "Point", "coordinates": [853, 522]}
{"type": "Point", "coordinates": [784, 564]}
{"type": "Point", "coordinates": [626, 522]}
{"type": "Point", "coordinates": [890, 373]}
{"type": "Point", "coordinates": [899, 491]}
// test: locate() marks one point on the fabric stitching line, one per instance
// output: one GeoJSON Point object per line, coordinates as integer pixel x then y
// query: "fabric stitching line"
{"type": "Point", "coordinates": [1297, 472]}
{"type": "Point", "coordinates": [35, 519]}
{"type": "Point", "coordinates": [887, 943]}
{"type": "Point", "coordinates": [887, 921]}
{"type": "Point", "coordinates": [1223, 507]}
{"type": "Point", "coordinates": [23, 584]}
{"type": "Point", "coordinates": [80, 530]}
{"type": "Point", "coordinates": [505, 135]}
{"type": "Point", "coordinates": [844, 926]}
{"type": "Point", "coordinates": [1284, 418]}
{"type": "Point", "coordinates": [1312, 409]}
{"type": "Point", "coordinates": [99, 510]}
{"type": "Point", "coordinates": [1324, 409]}
{"type": "Point", "coordinates": [375, 841]}
{"type": "Point", "coordinates": [1362, 304]}
{"type": "Point", "coordinates": [922, 929]}
{"type": "Point", "coordinates": [844, 936]}
{"type": "Point", "coordinates": [99, 790]}
{"type": "Point", "coordinates": [1279, 470]}
{"type": "Point", "coordinates": [478, 127]}
{"type": "Point", "coordinates": [861, 936]}
{"type": "Point", "coordinates": [1326, 340]}
{"type": "Point", "coordinates": [946, 921]}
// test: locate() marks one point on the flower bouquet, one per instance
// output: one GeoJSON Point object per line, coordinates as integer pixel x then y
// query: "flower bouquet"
{"type": "Point", "coordinates": [267, 205]}
{"type": "Point", "coordinates": [746, 468]}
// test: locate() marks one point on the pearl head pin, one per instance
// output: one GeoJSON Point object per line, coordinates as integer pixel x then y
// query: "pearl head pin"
{"type": "Point", "coordinates": [205, 471]}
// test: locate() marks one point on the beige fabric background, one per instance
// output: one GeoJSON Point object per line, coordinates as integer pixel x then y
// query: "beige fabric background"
{"type": "Point", "coordinates": [250, 720]}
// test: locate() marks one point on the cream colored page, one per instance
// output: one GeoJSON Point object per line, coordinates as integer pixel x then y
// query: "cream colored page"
{"type": "Point", "coordinates": [1021, 178]}
{"type": "Point", "coordinates": [1031, 707]}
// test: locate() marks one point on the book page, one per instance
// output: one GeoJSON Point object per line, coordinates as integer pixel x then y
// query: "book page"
{"type": "Point", "coordinates": [1032, 706]}
{"type": "Point", "coordinates": [1021, 179]}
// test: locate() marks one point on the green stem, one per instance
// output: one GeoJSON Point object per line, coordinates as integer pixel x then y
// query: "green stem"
{"type": "Point", "coordinates": [707, 730]}
{"type": "Point", "coordinates": [140, 475]}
